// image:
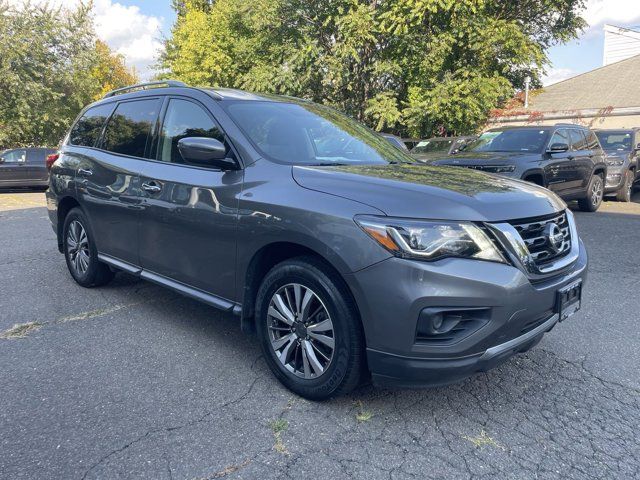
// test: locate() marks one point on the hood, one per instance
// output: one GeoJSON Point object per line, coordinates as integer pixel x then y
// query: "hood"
{"type": "Point", "coordinates": [484, 158]}
{"type": "Point", "coordinates": [423, 191]}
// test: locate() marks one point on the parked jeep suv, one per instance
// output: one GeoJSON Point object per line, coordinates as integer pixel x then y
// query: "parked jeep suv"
{"type": "Point", "coordinates": [565, 158]}
{"type": "Point", "coordinates": [345, 257]}
{"type": "Point", "coordinates": [621, 147]}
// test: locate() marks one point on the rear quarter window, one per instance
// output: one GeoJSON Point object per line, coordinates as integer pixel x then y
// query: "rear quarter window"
{"type": "Point", "coordinates": [86, 131]}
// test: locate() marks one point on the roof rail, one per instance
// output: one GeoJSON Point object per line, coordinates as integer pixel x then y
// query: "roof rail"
{"type": "Point", "coordinates": [145, 86]}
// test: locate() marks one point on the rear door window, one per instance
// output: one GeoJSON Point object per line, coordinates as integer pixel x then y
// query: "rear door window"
{"type": "Point", "coordinates": [87, 129]}
{"type": "Point", "coordinates": [130, 126]}
{"type": "Point", "coordinates": [578, 140]}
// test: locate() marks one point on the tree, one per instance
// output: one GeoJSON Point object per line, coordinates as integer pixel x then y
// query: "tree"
{"type": "Point", "coordinates": [50, 67]}
{"type": "Point", "coordinates": [109, 71]}
{"type": "Point", "coordinates": [411, 66]}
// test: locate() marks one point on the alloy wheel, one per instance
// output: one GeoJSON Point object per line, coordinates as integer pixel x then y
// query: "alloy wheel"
{"type": "Point", "coordinates": [300, 331]}
{"type": "Point", "coordinates": [596, 191]}
{"type": "Point", "coordinates": [78, 247]}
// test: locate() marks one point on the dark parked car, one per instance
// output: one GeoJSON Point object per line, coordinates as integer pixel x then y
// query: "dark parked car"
{"type": "Point", "coordinates": [567, 159]}
{"type": "Point", "coordinates": [346, 258]}
{"type": "Point", "coordinates": [621, 147]}
{"type": "Point", "coordinates": [436, 147]}
{"type": "Point", "coordinates": [24, 167]}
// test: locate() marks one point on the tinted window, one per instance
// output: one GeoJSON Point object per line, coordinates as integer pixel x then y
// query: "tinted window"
{"type": "Point", "coordinates": [184, 119]}
{"type": "Point", "coordinates": [130, 126]}
{"type": "Point", "coordinates": [14, 156]}
{"type": "Point", "coordinates": [517, 140]}
{"type": "Point", "coordinates": [560, 136]}
{"type": "Point", "coordinates": [616, 140]}
{"type": "Point", "coordinates": [431, 146]}
{"type": "Point", "coordinates": [310, 134]}
{"type": "Point", "coordinates": [592, 140]}
{"type": "Point", "coordinates": [578, 141]}
{"type": "Point", "coordinates": [87, 129]}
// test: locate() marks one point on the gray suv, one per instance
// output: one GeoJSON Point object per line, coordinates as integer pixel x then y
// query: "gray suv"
{"type": "Point", "coordinates": [565, 158]}
{"type": "Point", "coordinates": [347, 259]}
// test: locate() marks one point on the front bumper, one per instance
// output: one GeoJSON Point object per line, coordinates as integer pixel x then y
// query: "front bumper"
{"type": "Point", "coordinates": [392, 294]}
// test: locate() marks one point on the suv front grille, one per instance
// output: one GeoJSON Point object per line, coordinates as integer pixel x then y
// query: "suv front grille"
{"type": "Point", "coordinates": [532, 232]}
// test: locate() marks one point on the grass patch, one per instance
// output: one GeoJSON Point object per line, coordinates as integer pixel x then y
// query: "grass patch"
{"type": "Point", "coordinates": [20, 330]}
{"type": "Point", "coordinates": [277, 427]}
{"type": "Point", "coordinates": [362, 415]}
{"type": "Point", "coordinates": [483, 440]}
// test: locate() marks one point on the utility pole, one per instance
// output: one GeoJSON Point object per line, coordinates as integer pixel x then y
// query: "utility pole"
{"type": "Point", "coordinates": [527, 84]}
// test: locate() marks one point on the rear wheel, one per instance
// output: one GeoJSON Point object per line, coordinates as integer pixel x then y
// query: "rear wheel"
{"type": "Point", "coordinates": [591, 202]}
{"type": "Point", "coordinates": [309, 329]}
{"type": "Point", "coordinates": [624, 194]}
{"type": "Point", "coordinates": [80, 252]}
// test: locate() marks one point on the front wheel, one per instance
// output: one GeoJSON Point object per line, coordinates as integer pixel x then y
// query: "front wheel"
{"type": "Point", "coordinates": [591, 202]}
{"type": "Point", "coordinates": [624, 194]}
{"type": "Point", "coordinates": [309, 329]}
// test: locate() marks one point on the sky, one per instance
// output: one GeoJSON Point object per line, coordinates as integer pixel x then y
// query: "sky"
{"type": "Point", "coordinates": [136, 29]}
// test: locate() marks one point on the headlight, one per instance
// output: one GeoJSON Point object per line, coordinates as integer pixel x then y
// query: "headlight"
{"type": "Point", "coordinates": [614, 161]}
{"type": "Point", "coordinates": [430, 240]}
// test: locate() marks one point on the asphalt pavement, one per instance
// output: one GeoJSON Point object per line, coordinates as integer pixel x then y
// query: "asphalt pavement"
{"type": "Point", "coordinates": [134, 381]}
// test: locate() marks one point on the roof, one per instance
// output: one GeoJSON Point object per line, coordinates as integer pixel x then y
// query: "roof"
{"type": "Point", "coordinates": [614, 85]}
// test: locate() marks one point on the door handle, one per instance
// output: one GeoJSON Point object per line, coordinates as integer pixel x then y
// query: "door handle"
{"type": "Point", "coordinates": [83, 172]}
{"type": "Point", "coordinates": [571, 157]}
{"type": "Point", "coordinates": [151, 187]}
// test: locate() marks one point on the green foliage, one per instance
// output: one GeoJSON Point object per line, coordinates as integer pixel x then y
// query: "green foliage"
{"type": "Point", "coordinates": [410, 66]}
{"type": "Point", "coordinates": [50, 68]}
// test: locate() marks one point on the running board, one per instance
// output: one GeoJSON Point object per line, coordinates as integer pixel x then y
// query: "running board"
{"type": "Point", "coordinates": [209, 299]}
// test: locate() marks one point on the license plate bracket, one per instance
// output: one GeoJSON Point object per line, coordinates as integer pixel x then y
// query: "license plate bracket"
{"type": "Point", "coordinates": [568, 300]}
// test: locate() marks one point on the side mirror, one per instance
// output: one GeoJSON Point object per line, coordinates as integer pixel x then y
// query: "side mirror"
{"type": "Point", "coordinates": [1, 160]}
{"type": "Point", "coordinates": [206, 152]}
{"type": "Point", "coordinates": [558, 148]}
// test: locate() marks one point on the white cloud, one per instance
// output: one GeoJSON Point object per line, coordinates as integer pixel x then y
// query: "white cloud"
{"type": "Point", "coordinates": [130, 32]}
{"type": "Point", "coordinates": [555, 75]}
{"type": "Point", "coordinates": [617, 12]}
{"type": "Point", "coordinates": [125, 29]}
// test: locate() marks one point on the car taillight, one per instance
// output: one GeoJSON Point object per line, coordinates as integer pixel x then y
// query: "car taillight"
{"type": "Point", "coordinates": [51, 159]}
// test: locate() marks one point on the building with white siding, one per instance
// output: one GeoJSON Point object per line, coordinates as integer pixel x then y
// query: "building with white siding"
{"type": "Point", "coordinates": [607, 97]}
{"type": "Point", "coordinates": [620, 43]}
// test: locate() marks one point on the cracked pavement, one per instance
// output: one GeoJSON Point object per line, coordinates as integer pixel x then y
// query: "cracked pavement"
{"type": "Point", "coordinates": [134, 381]}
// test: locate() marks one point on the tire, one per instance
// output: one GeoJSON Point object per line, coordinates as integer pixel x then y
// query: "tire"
{"type": "Point", "coordinates": [624, 194]}
{"type": "Point", "coordinates": [342, 368]}
{"type": "Point", "coordinates": [593, 198]}
{"type": "Point", "coordinates": [80, 252]}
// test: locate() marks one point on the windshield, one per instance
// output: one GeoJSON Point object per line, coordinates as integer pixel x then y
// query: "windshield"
{"type": "Point", "coordinates": [431, 146]}
{"type": "Point", "coordinates": [309, 134]}
{"type": "Point", "coordinates": [528, 140]}
{"type": "Point", "coordinates": [620, 141]}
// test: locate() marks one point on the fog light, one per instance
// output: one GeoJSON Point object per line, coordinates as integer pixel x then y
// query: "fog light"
{"type": "Point", "coordinates": [436, 321]}
{"type": "Point", "coordinates": [442, 325]}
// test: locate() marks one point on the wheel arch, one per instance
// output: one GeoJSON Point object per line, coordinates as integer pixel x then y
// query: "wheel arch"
{"type": "Point", "coordinates": [65, 205]}
{"type": "Point", "coordinates": [536, 173]}
{"type": "Point", "coordinates": [263, 260]}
